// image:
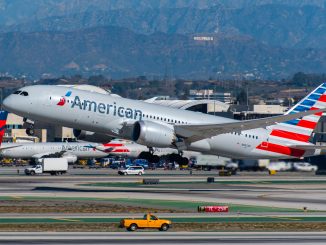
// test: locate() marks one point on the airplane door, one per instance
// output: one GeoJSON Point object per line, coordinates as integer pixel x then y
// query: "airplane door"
{"type": "Point", "coordinates": [49, 100]}
{"type": "Point", "coordinates": [264, 144]}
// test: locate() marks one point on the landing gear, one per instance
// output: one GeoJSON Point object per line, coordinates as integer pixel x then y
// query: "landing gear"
{"type": "Point", "coordinates": [178, 159]}
{"type": "Point", "coordinates": [149, 157]}
{"type": "Point", "coordinates": [29, 125]}
{"type": "Point", "coordinates": [30, 131]}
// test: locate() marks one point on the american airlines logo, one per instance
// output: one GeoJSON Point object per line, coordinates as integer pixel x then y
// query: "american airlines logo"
{"type": "Point", "coordinates": [102, 108]}
{"type": "Point", "coordinates": [62, 101]}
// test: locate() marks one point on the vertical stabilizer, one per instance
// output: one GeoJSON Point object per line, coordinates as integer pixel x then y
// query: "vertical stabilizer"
{"type": "Point", "coordinates": [299, 131]}
{"type": "Point", "coordinates": [3, 122]}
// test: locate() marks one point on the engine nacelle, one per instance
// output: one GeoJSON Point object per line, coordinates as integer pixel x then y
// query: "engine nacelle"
{"type": "Point", "coordinates": [71, 159]}
{"type": "Point", "coordinates": [153, 134]}
{"type": "Point", "coordinates": [91, 136]}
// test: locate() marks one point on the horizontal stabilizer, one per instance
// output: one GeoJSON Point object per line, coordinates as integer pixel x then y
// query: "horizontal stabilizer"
{"type": "Point", "coordinates": [309, 147]}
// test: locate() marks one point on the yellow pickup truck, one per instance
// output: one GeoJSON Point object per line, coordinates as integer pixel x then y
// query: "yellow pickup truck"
{"type": "Point", "coordinates": [149, 221]}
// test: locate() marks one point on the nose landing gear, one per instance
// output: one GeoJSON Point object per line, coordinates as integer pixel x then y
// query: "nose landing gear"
{"type": "Point", "coordinates": [29, 125]}
{"type": "Point", "coordinates": [30, 131]}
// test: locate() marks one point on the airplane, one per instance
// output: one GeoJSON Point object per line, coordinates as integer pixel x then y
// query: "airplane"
{"type": "Point", "coordinates": [69, 150]}
{"type": "Point", "coordinates": [278, 137]}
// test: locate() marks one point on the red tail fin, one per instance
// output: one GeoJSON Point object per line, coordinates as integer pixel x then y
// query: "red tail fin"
{"type": "Point", "coordinates": [3, 122]}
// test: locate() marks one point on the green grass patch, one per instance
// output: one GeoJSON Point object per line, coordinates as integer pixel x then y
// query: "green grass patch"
{"type": "Point", "coordinates": [190, 206]}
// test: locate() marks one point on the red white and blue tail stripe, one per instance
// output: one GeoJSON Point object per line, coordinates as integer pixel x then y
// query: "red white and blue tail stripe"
{"type": "Point", "coordinates": [297, 131]}
{"type": "Point", "coordinates": [3, 121]}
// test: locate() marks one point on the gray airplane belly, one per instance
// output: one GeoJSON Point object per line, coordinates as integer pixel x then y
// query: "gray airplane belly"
{"type": "Point", "coordinates": [226, 145]}
{"type": "Point", "coordinates": [89, 154]}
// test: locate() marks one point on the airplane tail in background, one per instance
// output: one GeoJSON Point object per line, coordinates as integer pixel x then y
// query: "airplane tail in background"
{"type": "Point", "coordinates": [3, 122]}
{"type": "Point", "coordinates": [299, 131]}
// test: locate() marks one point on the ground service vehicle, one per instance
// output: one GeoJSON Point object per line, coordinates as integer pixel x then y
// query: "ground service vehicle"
{"type": "Point", "coordinates": [135, 170]}
{"type": "Point", "coordinates": [149, 221]}
{"type": "Point", "coordinates": [53, 166]}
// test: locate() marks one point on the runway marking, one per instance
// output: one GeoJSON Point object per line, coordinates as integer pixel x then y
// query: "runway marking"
{"type": "Point", "coordinates": [285, 218]}
{"type": "Point", "coordinates": [272, 217]}
{"type": "Point", "coordinates": [63, 219]}
{"type": "Point", "coordinates": [263, 195]}
{"type": "Point", "coordinates": [17, 197]}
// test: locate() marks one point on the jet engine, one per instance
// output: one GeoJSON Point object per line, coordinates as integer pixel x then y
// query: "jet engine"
{"type": "Point", "coordinates": [153, 134]}
{"type": "Point", "coordinates": [91, 136]}
{"type": "Point", "coordinates": [70, 158]}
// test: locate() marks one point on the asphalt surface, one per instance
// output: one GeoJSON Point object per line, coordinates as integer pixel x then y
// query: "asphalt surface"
{"type": "Point", "coordinates": [164, 238]}
{"type": "Point", "coordinates": [284, 190]}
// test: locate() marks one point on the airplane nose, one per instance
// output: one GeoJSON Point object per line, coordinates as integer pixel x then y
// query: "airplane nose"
{"type": "Point", "coordinates": [7, 103]}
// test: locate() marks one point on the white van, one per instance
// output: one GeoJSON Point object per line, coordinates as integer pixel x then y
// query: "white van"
{"type": "Point", "coordinates": [132, 170]}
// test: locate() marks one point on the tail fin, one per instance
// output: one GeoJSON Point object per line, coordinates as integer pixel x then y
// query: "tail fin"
{"type": "Point", "coordinates": [300, 130]}
{"type": "Point", "coordinates": [3, 121]}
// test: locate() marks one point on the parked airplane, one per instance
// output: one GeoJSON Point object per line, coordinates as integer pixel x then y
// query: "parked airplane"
{"type": "Point", "coordinates": [69, 150]}
{"type": "Point", "coordinates": [130, 149]}
{"type": "Point", "coordinates": [285, 136]}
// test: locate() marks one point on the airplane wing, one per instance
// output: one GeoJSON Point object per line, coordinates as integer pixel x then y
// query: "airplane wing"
{"type": "Point", "coordinates": [196, 132]}
{"type": "Point", "coordinates": [49, 154]}
{"type": "Point", "coordinates": [105, 150]}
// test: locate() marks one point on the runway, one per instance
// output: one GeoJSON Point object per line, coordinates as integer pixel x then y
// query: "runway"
{"type": "Point", "coordinates": [285, 190]}
{"type": "Point", "coordinates": [164, 238]}
{"type": "Point", "coordinates": [75, 201]}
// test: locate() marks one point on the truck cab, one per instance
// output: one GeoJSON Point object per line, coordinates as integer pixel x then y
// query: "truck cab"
{"type": "Point", "coordinates": [37, 169]}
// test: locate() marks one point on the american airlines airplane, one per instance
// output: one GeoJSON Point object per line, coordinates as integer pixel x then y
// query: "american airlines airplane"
{"type": "Point", "coordinates": [69, 150]}
{"type": "Point", "coordinates": [285, 136]}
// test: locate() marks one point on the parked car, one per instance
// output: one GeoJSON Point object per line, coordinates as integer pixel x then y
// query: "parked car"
{"type": "Point", "coordinates": [304, 166]}
{"type": "Point", "coordinates": [132, 170]}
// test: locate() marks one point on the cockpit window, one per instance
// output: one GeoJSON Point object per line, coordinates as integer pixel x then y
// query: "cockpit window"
{"type": "Point", "coordinates": [24, 93]}
{"type": "Point", "coordinates": [17, 92]}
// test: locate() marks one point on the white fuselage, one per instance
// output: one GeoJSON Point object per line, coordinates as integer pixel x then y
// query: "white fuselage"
{"type": "Point", "coordinates": [108, 114]}
{"type": "Point", "coordinates": [71, 151]}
